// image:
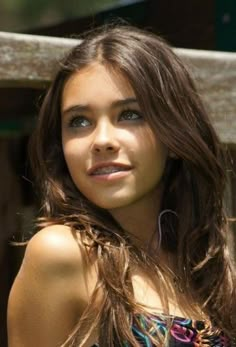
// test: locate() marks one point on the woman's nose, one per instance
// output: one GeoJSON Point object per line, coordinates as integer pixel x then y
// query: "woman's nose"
{"type": "Point", "coordinates": [104, 139]}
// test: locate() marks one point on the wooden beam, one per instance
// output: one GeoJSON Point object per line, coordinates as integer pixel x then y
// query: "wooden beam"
{"type": "Point", "coordinates": [30, 61]}
{"type": "Point", "coordinates": [215, 75]}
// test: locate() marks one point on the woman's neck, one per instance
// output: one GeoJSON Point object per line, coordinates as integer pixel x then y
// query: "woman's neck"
{"type": "Point", "coordinates": [140, 219]}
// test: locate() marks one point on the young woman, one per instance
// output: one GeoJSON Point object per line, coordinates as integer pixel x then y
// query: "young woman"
{"type": "Point", "coordinates": [134, 234]}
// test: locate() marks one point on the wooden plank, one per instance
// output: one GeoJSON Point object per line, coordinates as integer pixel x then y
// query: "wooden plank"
{"type": "Point", "coordinates": [215, 74]}
{"type": "Point", "coordinates": [30, 61]}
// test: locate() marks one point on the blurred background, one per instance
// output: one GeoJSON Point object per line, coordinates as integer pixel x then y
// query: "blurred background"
{"type": "Point", "coordinates": [207, 24]}
{"type": "Point", "coordinates": [198, 24]}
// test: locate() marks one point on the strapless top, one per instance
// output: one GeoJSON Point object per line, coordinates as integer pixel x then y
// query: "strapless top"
{"type": "Point", "coordinates": [182, 332]}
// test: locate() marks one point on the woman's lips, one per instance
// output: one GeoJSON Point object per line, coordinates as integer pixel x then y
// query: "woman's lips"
{"type": "Point", "coordinates": [109, 171]}
{"type": "Point", "coordinates": [108, 168]}
{"type": "Point", "coordinates": [110, 176]}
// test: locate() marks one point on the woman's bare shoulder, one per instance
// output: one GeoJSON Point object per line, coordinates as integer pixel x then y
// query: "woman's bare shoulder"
{"type": "Point", "coordinates": [51, 290]}
{"type": "Point", "coordinates": [56, 248]}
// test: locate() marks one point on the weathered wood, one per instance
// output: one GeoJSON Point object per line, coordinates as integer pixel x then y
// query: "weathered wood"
{"type": "Point", "coordinates": [30, 61]}
{"type": "Point", "coordinates": [215, 74]}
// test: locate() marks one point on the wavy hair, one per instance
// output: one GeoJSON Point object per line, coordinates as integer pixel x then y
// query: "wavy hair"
{"type": "Point", "coordinates": [194, 181]}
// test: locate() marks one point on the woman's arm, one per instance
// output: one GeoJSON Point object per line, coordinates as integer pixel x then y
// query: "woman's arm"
{"type": "Point", "coordinates": [49, 293]}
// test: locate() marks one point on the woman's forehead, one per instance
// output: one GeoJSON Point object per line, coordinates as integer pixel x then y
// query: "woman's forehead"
{"type": "Point", "coordinates": [96, 84]}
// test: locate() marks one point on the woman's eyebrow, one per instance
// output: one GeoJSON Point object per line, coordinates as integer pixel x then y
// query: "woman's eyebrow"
{"type": "Point", "coordinates": [123, 102]}
{"type": "Point", "coordinates": [75, 108]}
{"type": "Point", "coordinates": [82, 108]}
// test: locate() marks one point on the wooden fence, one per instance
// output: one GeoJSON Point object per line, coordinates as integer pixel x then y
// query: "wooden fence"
{"type": "Point", "coordinates": [30, 60]}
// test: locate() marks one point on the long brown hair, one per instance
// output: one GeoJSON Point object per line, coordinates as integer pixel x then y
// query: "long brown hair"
{"type": "Point", "coordinates": [194, 182]}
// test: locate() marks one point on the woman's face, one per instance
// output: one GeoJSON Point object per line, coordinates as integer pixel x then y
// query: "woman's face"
{"type": "Point", "coordinates": [112, 155]}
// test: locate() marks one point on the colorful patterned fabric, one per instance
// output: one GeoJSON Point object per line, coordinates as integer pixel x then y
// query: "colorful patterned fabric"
{"type": "Point", "coordinates": [182, 332]}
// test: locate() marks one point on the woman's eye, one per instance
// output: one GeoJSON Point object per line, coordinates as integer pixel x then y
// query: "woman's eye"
{"type": "Point", "coordinates": [130, 115]}
{"type": "Point", "coordinates": [79, 122]}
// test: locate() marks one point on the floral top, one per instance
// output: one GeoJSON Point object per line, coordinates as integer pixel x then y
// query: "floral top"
{"type": "Point", "coordinates": [182, 332]}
